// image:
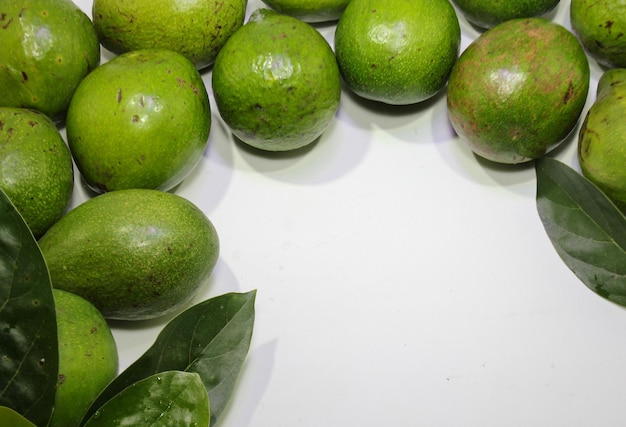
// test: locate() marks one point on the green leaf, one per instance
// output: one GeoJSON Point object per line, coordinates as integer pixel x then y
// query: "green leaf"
{"type": "Point", "coordinates": [587, 230]}
{"type": "Point", "coordinates": [211, 338]}
{"type": "Point", "coordinates": [172, 398]}
{"type": "Point", "coordinates": [8, 417]}
{"type": "Point", "coordinates": [29, 353]}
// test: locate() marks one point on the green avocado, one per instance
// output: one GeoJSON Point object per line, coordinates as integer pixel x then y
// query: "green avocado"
{"type": "Point", "coordinates": [88, 358]}
{"type": "Point", "coordinates": [196, 29]}
{"type": "Point", "coordinates": [36, 170]}
{"type": "Point", "coordinates": [272, 93]}
{"type": "Point", "coordinates": [47, 47]}
{"type": "Point", "coordinates": [602, 138]}
{"type": "Point", "coordinates": [518, 90]}
{"type": "Point", "coordinates": [601, 25]}
{"type": "Point", "coordinates": [141, 120]}
{"type": "Point", "coordinates": [489, 13]}
{"type": "Point", "coordinates": [310, 10]}
{"type": "Point", "coordinates": [135, 254]}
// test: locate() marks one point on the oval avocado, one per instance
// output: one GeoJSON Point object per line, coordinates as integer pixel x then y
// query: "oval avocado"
{"type": "Point", "coordinates": [135, 254]}
{"type": "Point", "coordinates": [600, 26]}
{"type": "Point", "coordinates": [602, 138]}
{"type": "Point", "coordinates": [88, 358]}
{"type": "Point", "coordinates": [36, 170]}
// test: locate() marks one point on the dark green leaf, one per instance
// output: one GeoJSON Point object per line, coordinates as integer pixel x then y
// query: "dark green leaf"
{"type": "Point", "coordinates": [172, 398]}
{"type": "Point", "coordinates": [587, 230]}
{"type": "Point", "coordinates": [8, 417]}
{"type": "Point", "coordinates": [29, 358]}
{"type": "Point", "coordinates": [211, 338]}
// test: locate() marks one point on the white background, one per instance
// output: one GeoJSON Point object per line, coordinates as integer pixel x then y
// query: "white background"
{"type": "Point", "coordinates": [401, 280]}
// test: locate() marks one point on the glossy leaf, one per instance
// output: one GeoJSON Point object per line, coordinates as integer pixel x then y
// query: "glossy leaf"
{"type": "Point", "coordinates": [29, 358]}
{"type": "Point", "coordinates": [173, 398]}
{"type": "Point", "coordinates": [8, 417]}
{"type": "Point", "coordinates": [587, 230]}
{"type": "Point", "coordinates": [211, 338]}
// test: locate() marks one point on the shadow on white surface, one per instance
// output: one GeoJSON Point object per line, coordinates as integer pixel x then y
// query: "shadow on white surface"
{"type": "Point", "coordinates": [252, 384]}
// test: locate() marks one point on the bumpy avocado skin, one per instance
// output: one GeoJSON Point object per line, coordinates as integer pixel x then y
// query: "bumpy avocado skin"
{"type": "Point", "coordinates": [196, 29]}
{"type": "Point", "coordinates": [46, 48]}
{"type": "Point", "coordinates": [36, 170]}
{"type": "Point", "coordinates": [489, 13]}
{"type": "Point", "coordinates": [135, 254]}
{"type": "Point", "coordinates": [601, 27]}
{"type": "Point", "coordinates": [272, 93]}
{"type": "Point", "coordinates": [602, 138]}
{"type": "Point", "coordinates": [518, 90]}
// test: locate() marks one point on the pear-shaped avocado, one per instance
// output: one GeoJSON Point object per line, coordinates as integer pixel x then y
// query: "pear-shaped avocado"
{"type": "Point", "coordinates": [602, 138]}
{"type": "Point", "coordinates": [46, 48]}
{"type": "Point", "coordinates": [134, 254]}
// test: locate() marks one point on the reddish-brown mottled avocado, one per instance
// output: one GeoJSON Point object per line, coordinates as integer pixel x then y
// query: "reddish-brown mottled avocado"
{"type": "Point", "coordinates": [518, 90]}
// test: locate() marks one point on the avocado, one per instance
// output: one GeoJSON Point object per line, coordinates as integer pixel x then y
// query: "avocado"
{"type": "Point", "coordinates": [602, 138]}
{"type": "Point", "coordinates": [36, 170]}
{"type": "Point", "coordinates": [135, 254]}
{"type": "Point", "coordinates": [489, 13]}
{"type": "Point", "coordinates": [141, 120]}
{"type": "Point", "coordinates": [311, 11]}
{"type": "Point", "coordinates": [88, 358]}
{"type": "Point", "coordinates": [47, 48]}
{"type": "Point", "coordinates": [196, 29]}
{"type": "Point", "coordinates": [518, 90]}
{"type": "Point", "coordinates": [600, 26]}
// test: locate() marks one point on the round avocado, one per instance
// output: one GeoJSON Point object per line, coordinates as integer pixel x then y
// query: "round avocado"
{"type": "Point", "coordinates": [272, 93]}
{"type": "Point", "coordinates": [141, 120]}
{"type": "Point", "coordinates": [518, 90]}
{"type": "Point", "coordinates": [398, 52]}
{"type": "Point", "coordinates": [47, 48]}
{"type": "Point", "coordinates": [196, 29]}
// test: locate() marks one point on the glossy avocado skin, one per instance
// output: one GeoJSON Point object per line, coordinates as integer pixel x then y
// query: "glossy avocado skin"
{"type": "Point", "coordinates": [47, 47]}
{"type": "Point", "coordinates": [518, 90]}
{"type": "Point", "coordinates": [141, 120]}
{"type": "Point", "coordinates": [135, 254]}
{"type": "Point", "coordinates": [602, 138]}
